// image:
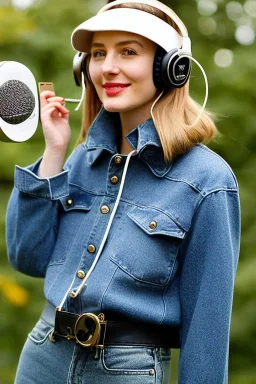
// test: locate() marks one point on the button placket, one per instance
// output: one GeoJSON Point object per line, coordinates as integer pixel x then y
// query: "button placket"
{"type": "Point", "coordinates": [115, 172]}
{"type": "Point", "coordinates": [104, 209]}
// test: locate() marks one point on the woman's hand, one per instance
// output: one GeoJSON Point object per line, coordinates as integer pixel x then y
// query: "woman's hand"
{"type": "Point", "coordinates": [55, 121]}
{"type": "Point", "coordinates": [57, 133]}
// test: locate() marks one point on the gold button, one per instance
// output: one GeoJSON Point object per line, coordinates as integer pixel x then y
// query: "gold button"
{"type": "Point", "coordinates": [91, 248]}
{"type": "Point", "coordinates": [153, 225]}
{"type": "Point", "coordinates": [69, 202]}
{"type": "Point", "coordinates": [114, 180]}
{"type": "Point", "coordinates": [118, 159]}
{"type": "Point", "coordinates": [104, 209]}
{"type": "Point", "coordinates": [81, 274]}
{"type": "Point", "coordinates": [152, 372]}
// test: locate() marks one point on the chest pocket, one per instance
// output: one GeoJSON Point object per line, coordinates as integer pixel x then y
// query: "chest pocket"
{"type": "Point", "coordinates": [146, 244]}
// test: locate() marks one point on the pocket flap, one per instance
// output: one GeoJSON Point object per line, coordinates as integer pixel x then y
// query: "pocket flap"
{"type": "Point", "coordinates": [77, 199]}
{"type": "Point", "coordinates": [155, 222]}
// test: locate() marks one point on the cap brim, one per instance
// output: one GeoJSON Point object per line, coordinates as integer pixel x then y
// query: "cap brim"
{"type": "Point", "coordinates": [126, 20]}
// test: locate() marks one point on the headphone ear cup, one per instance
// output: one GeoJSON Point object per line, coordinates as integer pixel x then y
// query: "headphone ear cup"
{"type": "Point", "coordinates": [80, 65]}
{"type": "Point", "coordinates": [85, 69]}
{"type": "Point", "coordinates": [157, 68]}
{"type": "Point", "coordinates": [175, 70]}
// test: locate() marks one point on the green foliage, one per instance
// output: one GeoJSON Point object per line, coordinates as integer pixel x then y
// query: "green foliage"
{"type": "Point", "coordinates": [39, 37]}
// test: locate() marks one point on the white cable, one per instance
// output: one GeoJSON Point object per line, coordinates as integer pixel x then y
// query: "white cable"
{"type": "Point", "coordinates": [80, 101]}
{"type": "Point", "coordinates": [72, 100]}
{"type": "Point", "coordinates": [76, 292]}
{"type": "Point", "coordinates": [83, 93]}
{"type": "Point", "coordinates": [206, 85]}
{"type": "Point", "coordinates": [156, 100]}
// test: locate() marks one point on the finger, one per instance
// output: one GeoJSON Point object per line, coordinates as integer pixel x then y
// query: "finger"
{"type": "Point", "coordinates": [56, 98]}
{"type": "Point", "coordinates": [44, 96]}
{"type": "Point", "coordinates": [56, 105]}
{"type": "Point", "coordinates": [54, 112]}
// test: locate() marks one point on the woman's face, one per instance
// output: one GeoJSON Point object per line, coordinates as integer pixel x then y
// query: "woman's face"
{"type": "Point", "coordinates": [121, 69]}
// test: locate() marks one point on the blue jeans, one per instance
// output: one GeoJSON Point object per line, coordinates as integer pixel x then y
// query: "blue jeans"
{"type": "Point", "coordinates": [65, 362]}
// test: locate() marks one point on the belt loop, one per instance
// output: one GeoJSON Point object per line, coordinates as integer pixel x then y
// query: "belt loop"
{"type": "Point", "coordinates": [98, 351]}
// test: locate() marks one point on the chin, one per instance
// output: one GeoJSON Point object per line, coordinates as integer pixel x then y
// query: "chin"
{"type": "Point", "coordinates": [113, 107]}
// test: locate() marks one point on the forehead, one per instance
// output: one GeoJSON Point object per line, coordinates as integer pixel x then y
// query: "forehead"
{"type": "Point", "coordinates": [115, 37]}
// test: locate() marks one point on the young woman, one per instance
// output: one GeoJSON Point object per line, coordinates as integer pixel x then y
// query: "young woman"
{"type": "Point", "coordinates": [137, 233]}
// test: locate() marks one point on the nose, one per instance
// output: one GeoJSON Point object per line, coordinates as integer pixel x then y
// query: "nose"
{"type": "Point", "coordinates": [110, 65]}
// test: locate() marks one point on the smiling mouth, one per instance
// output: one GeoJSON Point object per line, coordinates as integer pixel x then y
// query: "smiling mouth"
{"type": "Point", "coordinates": [113, 89]}
{"type": "Point", "coordinates": [115, 86]}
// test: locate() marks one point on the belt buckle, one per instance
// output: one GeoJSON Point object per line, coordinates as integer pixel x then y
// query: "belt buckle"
{"type": "Point", "coordinates": [90, 330]}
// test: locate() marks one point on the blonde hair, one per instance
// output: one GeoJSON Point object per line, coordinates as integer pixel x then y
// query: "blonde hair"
{"type": "Point", "coordinates": [173, 114]}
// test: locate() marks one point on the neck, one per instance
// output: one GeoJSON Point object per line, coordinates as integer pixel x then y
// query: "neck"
{"type": "Point", "coordinates": [130, 120]}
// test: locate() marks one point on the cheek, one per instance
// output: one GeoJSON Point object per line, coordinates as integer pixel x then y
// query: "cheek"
{"type": "Point", "coordinates": [94, 73]}
{"type": "Point", "coordinates": [143, 75]}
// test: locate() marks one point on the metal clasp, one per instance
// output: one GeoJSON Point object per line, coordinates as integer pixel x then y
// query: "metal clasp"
{"type": "Point", "coordinates": [90, 330]}
{"type": "Point", "coordinates": [51, 337]}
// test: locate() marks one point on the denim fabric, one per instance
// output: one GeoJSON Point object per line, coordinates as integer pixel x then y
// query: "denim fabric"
{"type": "Point", "coordinates": [178, 271]}
{"type": "Point", "coordinates": [67, 363]}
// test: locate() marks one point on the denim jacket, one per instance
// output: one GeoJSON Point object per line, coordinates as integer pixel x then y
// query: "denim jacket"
{"type": "Point", "coordinates": [172, 251]}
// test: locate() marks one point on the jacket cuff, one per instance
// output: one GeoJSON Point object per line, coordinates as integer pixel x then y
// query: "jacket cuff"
{"type": "Point", "coordinates": [52, 188]}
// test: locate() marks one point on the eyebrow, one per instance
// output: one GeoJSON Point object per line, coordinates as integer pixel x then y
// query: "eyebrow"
{"type": "Point", "coordinates": [120, 43]}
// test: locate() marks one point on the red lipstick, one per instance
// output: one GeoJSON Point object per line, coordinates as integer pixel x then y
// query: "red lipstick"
{"type": "Point", "coordinates": [113, 89]}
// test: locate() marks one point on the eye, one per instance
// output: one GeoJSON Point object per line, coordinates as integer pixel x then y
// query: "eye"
{"type": "Point", "coordinates": [96, 54]}
{"type": "Point", "coordinates": [129, 52]}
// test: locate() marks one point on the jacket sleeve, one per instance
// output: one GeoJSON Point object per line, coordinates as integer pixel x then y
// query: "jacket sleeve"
{"type": "Point", "coordinates": [32, 219]}
{"type": "Point", "coordinates": [209, 257]}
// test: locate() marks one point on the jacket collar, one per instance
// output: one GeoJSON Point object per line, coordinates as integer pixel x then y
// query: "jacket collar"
{"type": "Point", "coordinates": [105, 134]}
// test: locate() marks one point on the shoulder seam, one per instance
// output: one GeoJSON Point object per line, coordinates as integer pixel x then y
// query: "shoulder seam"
{"type": "Point", "coordinates": [201, 192]}
{"type": "Point", "coordinates": [205, 148]}
{"type": "Point", "coordinates": [211, 193]}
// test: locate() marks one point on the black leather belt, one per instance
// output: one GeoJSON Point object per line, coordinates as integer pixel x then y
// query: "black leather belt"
{"type": "Point", "coordinates": [90, 330]}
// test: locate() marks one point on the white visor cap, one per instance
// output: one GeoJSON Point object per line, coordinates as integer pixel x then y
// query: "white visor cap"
{"type": "Point", "coordinates": [127, 20]}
